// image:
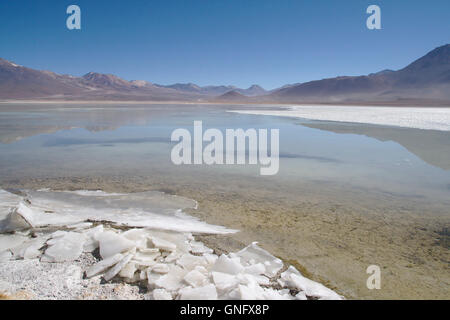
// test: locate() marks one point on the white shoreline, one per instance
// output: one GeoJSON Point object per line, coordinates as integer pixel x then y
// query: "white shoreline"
{"type": "Point", "coordinates": [426, 118]}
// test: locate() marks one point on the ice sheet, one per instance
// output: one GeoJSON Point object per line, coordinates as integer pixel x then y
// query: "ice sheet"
{"type": "Point", "coordinates": [154, 210]}
{"type": "Point", "coordinates": [409, 117]}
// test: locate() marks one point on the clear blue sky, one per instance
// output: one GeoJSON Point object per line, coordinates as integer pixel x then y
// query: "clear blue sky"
{"type": "Point", "coordinates": [239, 42]}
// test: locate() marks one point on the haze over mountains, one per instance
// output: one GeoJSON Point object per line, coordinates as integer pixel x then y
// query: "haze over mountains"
{"type": "Point", "coordinates": [424, 80]}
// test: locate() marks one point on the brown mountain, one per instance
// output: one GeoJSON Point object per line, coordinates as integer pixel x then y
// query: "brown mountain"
{"type": "Point", "coordinates": [21, 82]}
{"type": "Point", "coordinates": [425, 78]}
{"type": "Point", "coordinates": [231, 96]}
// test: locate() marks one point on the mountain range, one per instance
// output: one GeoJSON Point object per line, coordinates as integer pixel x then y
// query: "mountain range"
{"type": "Point", "coordinates": [426, 80]}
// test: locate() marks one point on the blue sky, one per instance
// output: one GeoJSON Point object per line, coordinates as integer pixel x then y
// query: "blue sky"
{"type": "Point", "coordinates": [239, 42]}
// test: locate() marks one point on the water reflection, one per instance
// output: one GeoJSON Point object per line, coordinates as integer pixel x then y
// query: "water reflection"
{"type": "Point", "coordinates": [431, 146]}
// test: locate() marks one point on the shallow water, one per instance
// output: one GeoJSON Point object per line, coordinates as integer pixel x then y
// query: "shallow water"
{"type": "Point", "coordinates": [42, 141]}
{"type": "Point", "coordinates": [390, 179]}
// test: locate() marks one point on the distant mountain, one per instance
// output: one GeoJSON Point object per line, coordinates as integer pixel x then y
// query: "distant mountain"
{"type": "Point", "coordinates": [231, 96]}
{"type": "Point", "coordinates": [107, 81]}
{"type": "Point", "coordinates": [193, 88]}
{"type": "Point", "coordinates": [425, 78]}
{"type": "Point", "coordinates": [17, 82]}
{"type": "Point", "coordinates": [21, 82]}
{"type": "Point", "coordinates": [252, 91]}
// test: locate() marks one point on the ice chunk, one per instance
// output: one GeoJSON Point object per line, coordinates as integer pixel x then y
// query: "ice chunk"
{"type": "Point", "coordinates": [227, 265]}
{"type": "Point", "coordinates": [189, 261]}
{"type": "Point", "coordinates": [210, 258]}
{"type": "Point", "coordinates": [172, 257]}
{"type": "Point", "coordinates": [29, 249]}
{"type": "Point", "coordinates": [138, 236]}
{"type": "Point", "coordinates": [224, 281]}
{"type": "Point", "coordinates": [146, 257]}
{"type": "Point", "coordinates": [19, 219]}
{"type": "Point", "coordinates": [11, 241]}
{"type": "Point", "coordinates": [161, 294]}
{"type": "Point", "coordinates": [254, 254]}
{"type": "Point", "coordinates": [293, 278]}
{"type": "Point", "coordinates": [160, 268]}
{"type": "Point", "coordinates": [173, 280]}
{"type": "Point", "coordinates": [207, 292]}
{"type": "Point", "coordinates": [195, 278]}
{"type": "Point", "coordinates": [92, 238]}
{"type": "Point", "coordinates": [249, 278]}
{"type": "Point", "coordinates": [301, 296]}
{"type": "Point", "coordinates": [128, 271]}
{"type": "Point", "coordinates": [152, 278]}
{"type": "Point", "coordinates": [118, 267]}
{"type": "Point", "coordinates": [163, 244]}
{"type": "Point", "coordinates": [103, 265]}
{"type": "Point", "coordinates": [5, 256]}
{"type": "Point", "coordinates": [66, 248]}
{"type": "Point", "coordinates": [255, 269]}
{"type": "Point", "coordinates": [112, 243]}
{"type": "Point", "coordinates": [271, 294]}
{"type": "Point", "coordinates": [199, 247]}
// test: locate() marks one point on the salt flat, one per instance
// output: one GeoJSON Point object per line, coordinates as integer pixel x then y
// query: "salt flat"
{"type": "Point", "coordinates": [414, 117]}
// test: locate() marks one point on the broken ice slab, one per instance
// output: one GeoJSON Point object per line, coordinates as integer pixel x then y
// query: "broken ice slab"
{"type": "Point", "coordinates": [146, 257]}
{"type": "Point", "coordinates": [5, 256]}
{"type": "Point", "coordinates": [161, 294]}
{"type": "Point", "coordinates": [210, 258]}
{"type": "Point", "coordinates": [128, 271]}
{"type": "Point", "coordinates": [160, 268]}
{"type": "Point", "coordinates": [227, 265]}
{"type": "Point", "coordinates": [66, 248]}
{"type": "Point", "coordinates": [173, 280]}
{"type": "Point", "coordinates": [172, 257]}
{"type": "Point", "coordinates": [20, 218]}
{"type": "Point", "coordinates": [207, 292]}
{"type": "Point", "coordinates": [253, 254]}
{"type": "Point", "coordinates": [92, 238]}
{"type": "Point", "coordinates": [102, 265]}
{"type": "Point", "coordinates": [199, 247]}
{"type": "Point", "coordinates": [251, 279]}
{"type": "Point", "coordinates": [294, 279]}
{"type": "Point", "coordinates": [11, 240]}
{"type": "Point", "coordinates": [138, 236]}
{"type": "Point", "coordinates": [118, 267]}
{"type": "Point", "coordinates": [224, 281]}
{"type": "Point", "coordinates": [29, 249]}
{"type": "Point", "coordinates": [255, 269]}
{"type": "Point", "coordinates": [195, 278]}
{"type": "Point", "coordinates": [189, 261]}
{"type": "Point", "coordinates": [111, 243]}
{"type": "Point", "coordinates": [151, 278]}
{"type": "Point", "coordinates": [163, 244]}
